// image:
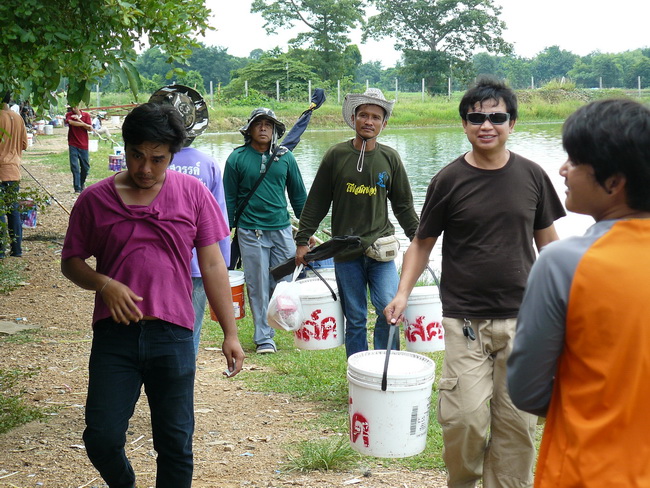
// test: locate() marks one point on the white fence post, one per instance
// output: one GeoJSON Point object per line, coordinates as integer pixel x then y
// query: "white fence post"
{"type": "Point", "coordinates": [246, 88]}
{"type": "Point", "coordinates": [277, 90]}
{"type": "Point", "coordinates": [338, 91]}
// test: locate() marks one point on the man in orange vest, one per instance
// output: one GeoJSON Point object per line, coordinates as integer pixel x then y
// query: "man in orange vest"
{"type": "Point", "coordinates": [581, 354]}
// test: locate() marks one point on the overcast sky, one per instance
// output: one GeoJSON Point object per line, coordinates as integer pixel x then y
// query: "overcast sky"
{"type": "Point", "coordinates": [579, 26]}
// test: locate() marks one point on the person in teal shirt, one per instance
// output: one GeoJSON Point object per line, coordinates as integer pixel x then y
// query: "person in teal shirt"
{"type": "Point", "coordinates": [263, 225]}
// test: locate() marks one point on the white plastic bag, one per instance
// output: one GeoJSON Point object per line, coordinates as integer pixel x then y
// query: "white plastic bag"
{"type": "Point", "coordinates": [285, 308]}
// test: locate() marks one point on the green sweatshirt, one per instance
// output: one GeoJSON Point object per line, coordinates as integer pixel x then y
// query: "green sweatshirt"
{"type": "Point", "coordinates": [267, 208]}
{"type": "Point", "coordinates": [359, 199]}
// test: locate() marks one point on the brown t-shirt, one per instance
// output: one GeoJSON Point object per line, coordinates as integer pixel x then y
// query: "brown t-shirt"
{"type": "Point", "coordinates": [487, 219]}
{"type": "Point", "coordinates": [13, 140]}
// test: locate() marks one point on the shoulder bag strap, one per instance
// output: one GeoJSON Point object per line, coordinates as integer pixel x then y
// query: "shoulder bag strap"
{"type": "Point", "coordinates": [242, 205]}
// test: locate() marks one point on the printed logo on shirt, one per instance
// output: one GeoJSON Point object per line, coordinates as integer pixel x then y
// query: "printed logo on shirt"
{"type": "Point", "coordinates": [382, 179]}
{"type": "Point", "coordinates": [187, 170]}
{"type": "Point", "coordinates": [361, 189]}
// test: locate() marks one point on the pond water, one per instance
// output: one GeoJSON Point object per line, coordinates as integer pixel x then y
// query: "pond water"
{"type": "Point", "coordinates": [424, 152]}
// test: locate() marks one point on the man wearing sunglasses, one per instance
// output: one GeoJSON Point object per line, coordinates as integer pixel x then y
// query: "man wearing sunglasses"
{"type": "Point", "coordinates": [491, 204]}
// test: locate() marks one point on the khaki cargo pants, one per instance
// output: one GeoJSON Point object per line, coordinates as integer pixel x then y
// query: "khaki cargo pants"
{"type": "Point", "coordinates": [485, 435]}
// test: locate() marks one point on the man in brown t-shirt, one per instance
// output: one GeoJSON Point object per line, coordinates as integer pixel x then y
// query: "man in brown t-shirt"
{"type": "Point", "coordinates": [13, 140]}
{"type": "Point", "coordinates": [491, 204]}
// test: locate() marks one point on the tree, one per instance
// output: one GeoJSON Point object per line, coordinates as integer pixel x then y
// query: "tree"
{"type": "Point", "coordinates": [607, 70]}
{"type": "Point", "coordinates": [370, 72]}
{"type": "Point", "coordinates": [438, 33]}
{"type": "Point", "coordinates": [263, 75]}
{"type": "Point", "coordinates": [83, 40]}
{"type": "Point", "coordinates": [329, 22]}
{"type": "Point", "coordinates": [552, 63]}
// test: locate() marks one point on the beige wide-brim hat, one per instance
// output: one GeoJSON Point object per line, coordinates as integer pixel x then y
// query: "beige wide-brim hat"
{"type": "Point", "coordinates": [372, 96]}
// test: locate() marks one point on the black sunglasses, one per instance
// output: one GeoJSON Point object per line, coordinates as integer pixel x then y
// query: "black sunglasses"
{"type": "Point", "coordinates": [496, 118]}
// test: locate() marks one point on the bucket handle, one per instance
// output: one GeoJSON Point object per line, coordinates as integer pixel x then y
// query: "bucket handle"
{"type": "Point", "coordinates": [323, 280]}
{"type": "Point", "coordinates": [391, 334]}
{"type": "Point", "coordinates": [435, 278]}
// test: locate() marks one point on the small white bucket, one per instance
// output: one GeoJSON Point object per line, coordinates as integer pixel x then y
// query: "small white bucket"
{"type": "Point", "coordinates": [237, 280]}
{"type": "Point", "coordinates": [391, 423]}
{"type": "Point", "coordinates": [30, 139]}
{"type": "Point", "coordinates": [93, 145]}
{"type": "Point", "coordinates": [423, 329]}
{"type": "Point", "coordinates": [323, 324]}
{"type": "Point", "coordinates": [118, 150]}
{"type": "Point", "coordinates": [115, 120]}
{"type": "Point", "coordinates": [48, 129]}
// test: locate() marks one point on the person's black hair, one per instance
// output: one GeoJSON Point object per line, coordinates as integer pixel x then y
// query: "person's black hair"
{"type": "Point", "coordinates": [154, 122]}
{"type": "Point", "coordinates": [7, 97]}
{"type": "Point", "coordinates": [613, 137]}
{"type": "Point", "coordinates": [488, 88]}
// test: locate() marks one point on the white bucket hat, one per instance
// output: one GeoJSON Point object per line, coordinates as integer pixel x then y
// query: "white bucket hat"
{"type": "Point", "coordinates": [372, 96]}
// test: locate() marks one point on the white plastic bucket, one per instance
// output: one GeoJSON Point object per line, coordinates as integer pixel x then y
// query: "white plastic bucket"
{"type": "Point", "coordinates": [40, 126]}
{"type": "Point", "coordinates": [115, 120]}
{"type": "Point", "coordinates": [93, 145]}
{"type": "Point", "coordinates": [118, 150]}
{"type": "Point", "coordinates": [391, 423]}
{"type": "Point", "coordinates": [48, 129]}
{"type": "Point", "coordinates": [423, 329]}
{"type": "Point", "coordinates": [323, 324]}
{"type": "Point", "coordinates": [237, 280]}
{"type": "Point", "coordinates": [30, 139]}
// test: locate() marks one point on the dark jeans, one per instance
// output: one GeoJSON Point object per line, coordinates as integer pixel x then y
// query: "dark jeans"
{"type": "Point", "coordinates": [14, 224]}
{"type": "Point", "coordinates": [80, 166]}
{"type": "Point", "coordinates": [160, 356]}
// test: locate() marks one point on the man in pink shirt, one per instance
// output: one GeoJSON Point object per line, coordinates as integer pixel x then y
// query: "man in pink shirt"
{"type": "Point", "coordinates": [141, 226]}
{"type": "Point", "coordinates": [79, 124]}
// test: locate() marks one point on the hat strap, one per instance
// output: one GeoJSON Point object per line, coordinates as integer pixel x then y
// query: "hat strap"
{"type": "Point", "coordinates": [362, 155]}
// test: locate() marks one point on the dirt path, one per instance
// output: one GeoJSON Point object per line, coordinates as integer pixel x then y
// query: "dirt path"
{"type": "Point", "coordinates": [241, 436]}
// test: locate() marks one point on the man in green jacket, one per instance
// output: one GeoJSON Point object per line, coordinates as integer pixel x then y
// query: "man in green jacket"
{"type": "Point", "coordinates": [263, 224]}
{"type": "Point", "coordinates": [358, 178]}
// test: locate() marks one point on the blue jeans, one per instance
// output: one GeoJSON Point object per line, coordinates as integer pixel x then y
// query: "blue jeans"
{"type": "Point", "coordinates": [353, 279]}
{"type": "Point", "coordinates": [160, 356]}
{"type": "Point", "coordinates": [199, 301]}
{"type": "Point", "coordinates": [80, 166]}
{"type": "Point", "coordinates": [261, 250]}
{"type": "Point", "coordinates": [14, 224]}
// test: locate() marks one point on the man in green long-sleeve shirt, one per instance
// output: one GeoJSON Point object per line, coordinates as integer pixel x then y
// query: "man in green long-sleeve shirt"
{"type": "Point", "coordinates": [263, 225]}
{"type": "Point", "coordinates": [358, 178]}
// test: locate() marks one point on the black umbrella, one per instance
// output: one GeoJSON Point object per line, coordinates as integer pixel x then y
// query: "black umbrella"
{"type": "Point", "coordinates": [326, 250]}
{"type": "Point", "coordinates": [292, 138]}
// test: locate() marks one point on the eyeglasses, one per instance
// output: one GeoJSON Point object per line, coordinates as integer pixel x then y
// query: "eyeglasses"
{"type": "Point", "coordinates": [496, 118]}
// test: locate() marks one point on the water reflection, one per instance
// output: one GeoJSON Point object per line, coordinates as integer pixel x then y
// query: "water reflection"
{"type": "Point", "coordinates": [424, 152]}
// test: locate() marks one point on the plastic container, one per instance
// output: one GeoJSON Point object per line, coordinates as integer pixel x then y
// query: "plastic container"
{"type": "Point", "coordinates": [48, 129]}
{"type": "Point", "coordinates": [237, 290]}
{"type": "Point", "coordinates": [28, 213]}
{"type": "Point", "coordinates": [93, 145]}
{"type": "Point", "coordinates": [324, 267]}
{"type": "Point", "coordinates": [323, 324]}
{"type": "Point", "coordinates": [115, 162]}
{"type": "Point", "coordinates": [423, 331]}
{"type": "Point", "coordinates": [391, 423]}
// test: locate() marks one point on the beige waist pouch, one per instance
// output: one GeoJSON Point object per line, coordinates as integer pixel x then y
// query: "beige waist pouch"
{"type": "Point", "coordinates": [383, 249]}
